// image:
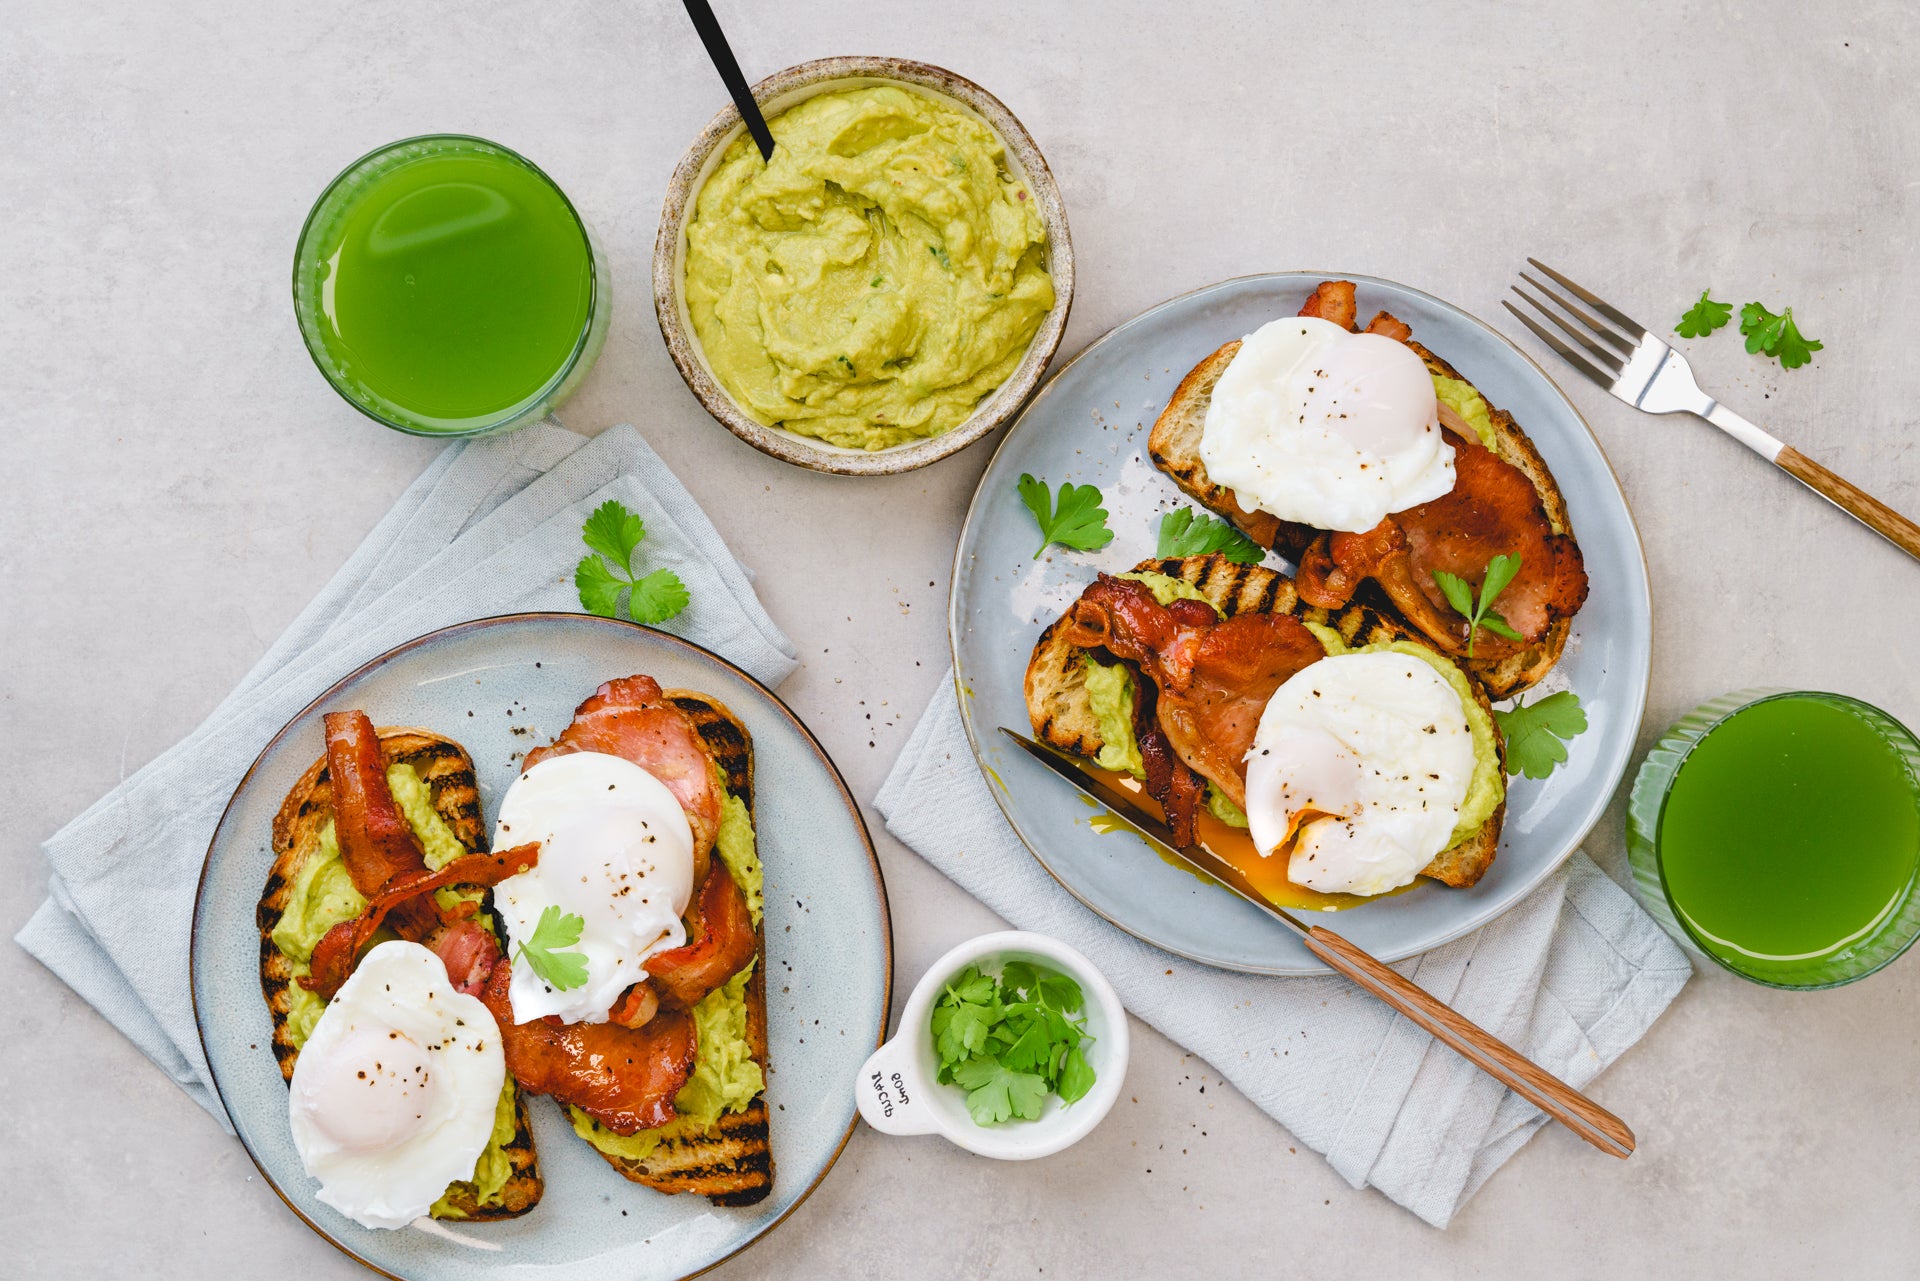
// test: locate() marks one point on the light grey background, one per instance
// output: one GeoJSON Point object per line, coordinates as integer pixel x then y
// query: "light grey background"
{"type": "Point", "coordinates": [178, 481]}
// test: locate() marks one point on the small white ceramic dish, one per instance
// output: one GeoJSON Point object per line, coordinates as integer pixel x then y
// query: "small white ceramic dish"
{"type": "Point", "coordinates": [897, 1090]}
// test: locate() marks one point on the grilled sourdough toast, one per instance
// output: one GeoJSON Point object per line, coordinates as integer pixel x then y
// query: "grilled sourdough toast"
{"type": "Point", "coordinates": [1062, 713]}
{"type": "Point", "coordinates": [1174, 446]}
{"type": "Point", "coordinates": [444, 766]}
{"type": "Point", "coordinates": [731, 1164]}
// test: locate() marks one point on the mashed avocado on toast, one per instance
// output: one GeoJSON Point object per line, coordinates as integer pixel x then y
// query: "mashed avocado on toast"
{"type": "Point", "coordinates": [725, 1076]}
{"type": "Point", "coordinates": [322, 896]}
{"type": "Point", "coordinates": [1110, 696]}
{"type": "Point", "coordinates": [1464, 399]}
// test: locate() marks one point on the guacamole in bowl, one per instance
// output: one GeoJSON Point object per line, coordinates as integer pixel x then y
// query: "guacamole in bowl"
{"type": "Point", "coordinates": [885, 290]}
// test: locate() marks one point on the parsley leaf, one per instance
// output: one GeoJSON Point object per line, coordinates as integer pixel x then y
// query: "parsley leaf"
{"type": "Point", "coordinates": [1076, 1077]}
{"type": "Point", "coordinates": [1703, 317]}
{"type": "Point", "coordinates": [599, 589]}
{"type": "Point", "coordinates": [1478, 612]}
{"type": "Point", "coordinates": [545, 952]}
{"type": "Point", "coordinates": [997, 1093]}
{"type": "Point", "coordinates": [1079, 521]}
{"type": "Point", "coordinates": [1184, 532]}
{"type": "Point", "coordinates": [657, 597]}
{"type": "Point", "coordinates": [1537, 732]}
{"type": "Point", "coordinates": [612, 533]}
{"type": "Point", "coordinates": [1776, 336]}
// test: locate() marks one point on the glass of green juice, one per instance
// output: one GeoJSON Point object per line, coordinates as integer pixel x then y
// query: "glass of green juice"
{"type": "Point", "coordinates": [1777, 834]}
{"type": "Point", "coordinates": [447, 287]}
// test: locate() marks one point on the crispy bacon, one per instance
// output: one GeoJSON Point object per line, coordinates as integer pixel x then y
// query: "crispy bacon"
{"type": "Point", "coordinates": [376, 842]}
{"type": "Point", "coordinates": [1388, 325]}
{"type": "Point", "coordinates": [631, 718]}
{"type": "Point", "coordinates": [1212, 677]}
{"type": "Point", "coordinates": [635, 1006]}
{"type": "Point", "coordinates": [624, 1078]}
{"type": "Point", "coordinates": [1492, 509]}
{"type": "Point", "coordinates": [1178, 789]}
{"type": "Point", "coordinates": [1332, 300]}
{"type": "Point", "coordinates": [468, 950]}
{"type": "Point", "coordinates": [407, 906]}
{"type": "Point", "coordinates": [721, 929]}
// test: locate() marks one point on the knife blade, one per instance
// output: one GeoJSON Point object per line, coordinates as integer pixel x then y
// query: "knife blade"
{"type": "Point", "coordinates": [1472, 1042]}
{"type": "Point", "coordinates": [1128, 811]}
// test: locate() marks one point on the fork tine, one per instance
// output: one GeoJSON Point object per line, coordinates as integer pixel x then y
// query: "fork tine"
{"type": "Point", "coordinates": [1599, 353]}
{"type": "Point", "coordinates": [1599, 327]}
{"type": "Point", "coordinates": [1592, 300]}
{"type": "Point", "coordinates": [1566, 353]}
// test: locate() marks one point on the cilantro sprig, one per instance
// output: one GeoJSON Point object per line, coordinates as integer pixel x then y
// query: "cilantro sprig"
{"type": "Point", "coordinates": [1077, 520]}
{"type": "Point", "coordinates": [605, 576]}
{"type": "Point", "coordinates": [1537, 733]}
{"type": "Point", "coordinates": [1478, 610]}
{"type": "Point", "coordinates": [1184, 532]}
{"type": "Point", "coordinates": [1776, 336]}
{"type": "Point", "coordinates": [1704, 317]}
{"type": "Point", "coordinates": [546, 955]}
{"type": "Point", "coordinates": [1011, 1041]}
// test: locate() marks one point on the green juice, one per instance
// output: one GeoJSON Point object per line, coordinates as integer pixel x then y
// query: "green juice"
{"type": "Point", "coordinates": [446, 285]}
{"type": "Point", "coordinates": [1790, 837]}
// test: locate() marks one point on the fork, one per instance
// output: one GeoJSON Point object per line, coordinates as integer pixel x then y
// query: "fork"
{"type": "Point", "coordinates": [1648, 374]}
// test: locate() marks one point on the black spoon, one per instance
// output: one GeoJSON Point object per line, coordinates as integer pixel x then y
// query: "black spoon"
{"type": "Point", "coordinates": [723, 61]}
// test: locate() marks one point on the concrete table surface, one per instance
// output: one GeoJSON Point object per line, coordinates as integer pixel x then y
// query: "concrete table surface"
{"type": "Point", "coordinates": [178, 482]}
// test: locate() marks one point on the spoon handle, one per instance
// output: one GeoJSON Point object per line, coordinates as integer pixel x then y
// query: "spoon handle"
{"type": "Point", "coordinates": [1475, 1044]}
{"type": "Point", "coordinates": [723, 61]}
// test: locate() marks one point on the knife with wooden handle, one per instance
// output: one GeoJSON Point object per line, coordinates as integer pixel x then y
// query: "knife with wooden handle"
{"type": "Point", "coordinates": [1472, 1042]}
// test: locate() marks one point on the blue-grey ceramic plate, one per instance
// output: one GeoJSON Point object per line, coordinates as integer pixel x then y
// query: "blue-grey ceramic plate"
{"type": "Point", "coordinates": [1089, 425]}
{"type": "Point", "coordinates": [502, 686]}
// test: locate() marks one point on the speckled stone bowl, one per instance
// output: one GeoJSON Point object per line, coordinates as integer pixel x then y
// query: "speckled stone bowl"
{"type": "Point", "coordinates": [775, 94]}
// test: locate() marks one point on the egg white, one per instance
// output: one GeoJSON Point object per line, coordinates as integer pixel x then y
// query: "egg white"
{"type": "Point", "coordinates": [394, 1094]}
{"type": "Point", "coordinates": [1369, 756]}
{"type": "Point", "coordinates": [1328, 428]}
{"type": "Point", "coordinates": [616, 850]}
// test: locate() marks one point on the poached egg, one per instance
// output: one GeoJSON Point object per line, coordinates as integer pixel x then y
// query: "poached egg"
{"type": "Point", "coordinates": [616, 850]}
{"type": "Point", "coordinates": [1326, 428]}
{"type": "Point", "coordinates": [394, 1093]}
{"type": "Point", "coordinates": [1362, 761]}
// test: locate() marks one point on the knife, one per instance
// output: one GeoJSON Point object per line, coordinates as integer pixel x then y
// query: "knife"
{"type": "Point", "coordinates": [1468, 1039]}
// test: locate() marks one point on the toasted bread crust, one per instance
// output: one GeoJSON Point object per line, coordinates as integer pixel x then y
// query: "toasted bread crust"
{"type": "Point", "coordinates": [448, 772]}
{"type": "Point", "coordinates": [1174, 446]}
{"type": "Point", "coordinates": [1062, 714]}
{"type": "Point", "coordinates": [732, 1165]}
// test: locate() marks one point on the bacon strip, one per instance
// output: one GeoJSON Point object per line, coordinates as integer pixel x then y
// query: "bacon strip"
{"type": "Point", "coordinates": [376, 842]}
{"type": "Point", "coordinates": [1332, 300]}
{"type": "Point", "coordinates": [1492, 509]}
{"type": "Point", "coordinates": [635, 1006]}
{"type": "Point", "coordinates": [721, 927]}
{"type": "Point", "coordinates": [339, 949]}
{"type": "Point", "coordinates": [1178, 789]}
{"type": "Point", "coordinates": [631, 718]}
{"type": "Point", "coordinates": [469, 951]}
{"type": "Point", "coordinates": [624, 1078]}
{"type": "Point", "coordinates": [1213, 678]}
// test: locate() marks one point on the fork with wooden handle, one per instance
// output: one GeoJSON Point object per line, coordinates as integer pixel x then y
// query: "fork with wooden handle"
{"type": "Point", "coordinates": [1640, 369]}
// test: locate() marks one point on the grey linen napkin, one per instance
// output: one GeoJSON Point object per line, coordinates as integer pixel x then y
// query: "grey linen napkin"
{"type": "Point", "coordinates": [1573, 975]}
{"type": "Point", "coordinates": [491, 527]}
